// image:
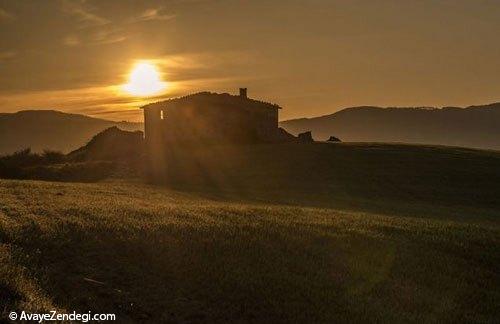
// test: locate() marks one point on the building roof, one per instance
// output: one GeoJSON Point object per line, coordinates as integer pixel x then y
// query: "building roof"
{"type": "Point", "coordinates": [210, 98]}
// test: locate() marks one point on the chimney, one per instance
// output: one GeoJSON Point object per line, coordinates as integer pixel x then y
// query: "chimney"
{"type": "Point", "coordinates": [243, 93]}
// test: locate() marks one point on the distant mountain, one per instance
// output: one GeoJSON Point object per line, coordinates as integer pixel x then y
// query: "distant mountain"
{"type": "Point", "coordinates": [49, 129]}
{"type": "Point", "coordinates": [474, 126]}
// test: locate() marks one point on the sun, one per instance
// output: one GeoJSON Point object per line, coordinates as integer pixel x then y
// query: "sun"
{"type": "Point", "coordinates": [144, 80]}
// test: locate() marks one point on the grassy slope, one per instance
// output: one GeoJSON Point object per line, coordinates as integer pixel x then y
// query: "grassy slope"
{"type": "Point", "coordinates": [316, 233]}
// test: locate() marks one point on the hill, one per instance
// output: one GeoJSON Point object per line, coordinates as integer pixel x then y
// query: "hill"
{"type": "Point", "coordinates": [288, 233]}
{"type": "Point", "coordinates": [341, 174]}
{"type": "Point", "coordinates": [49, 129]}
{"type": "Point", "coordinates": [108, 153]}
{"type": "Point", "coordinates": [112, 144]}
{"type": "Point", "coordinates": [475, 126]}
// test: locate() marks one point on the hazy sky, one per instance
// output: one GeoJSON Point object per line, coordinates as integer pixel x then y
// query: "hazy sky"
{"type": "Point", "coordinates": [311, 57]}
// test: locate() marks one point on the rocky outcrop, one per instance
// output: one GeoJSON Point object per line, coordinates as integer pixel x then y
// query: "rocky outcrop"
{"type": "Point", "coordinates": [306, 137]}
{"type": "Point", "coordinates": [284, 136]}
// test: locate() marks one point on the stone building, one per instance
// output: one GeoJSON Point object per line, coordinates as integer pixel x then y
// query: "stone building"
{"type": "Point", "coordinates": [207, 117]}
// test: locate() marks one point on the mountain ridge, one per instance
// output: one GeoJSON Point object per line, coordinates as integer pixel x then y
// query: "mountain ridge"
{"type": "Point", "coordinates": [52, 129]}
{"type": "Point", "coordinates": [495, 105]}
{"type": "Point", "coordinates": [475, 126]}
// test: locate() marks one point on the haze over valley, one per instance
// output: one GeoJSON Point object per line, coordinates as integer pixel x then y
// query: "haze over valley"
{"type": "Point", "coordinates": [475, 126]}
{"type": "Point", "coordinates": [52, 130]}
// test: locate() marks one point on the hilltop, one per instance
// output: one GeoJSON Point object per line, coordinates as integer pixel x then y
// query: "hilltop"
{"type": "Point", "coordinates": [51, 129]}
{"type": "Point", "coordinates": [474, 126]}
{"type": "Point", "coordinates": [111, 144]}
{"type": "Point", "coordinates": [322, 174]}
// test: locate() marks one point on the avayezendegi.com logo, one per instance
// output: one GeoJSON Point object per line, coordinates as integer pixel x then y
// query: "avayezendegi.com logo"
{"type": "Point", "coordinates": [55, 316]}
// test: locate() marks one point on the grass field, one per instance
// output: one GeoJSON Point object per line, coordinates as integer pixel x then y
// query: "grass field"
{"type": "Point", "coordinates": [284, 233]}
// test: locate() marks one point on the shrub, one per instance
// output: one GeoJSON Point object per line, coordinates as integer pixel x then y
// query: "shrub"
{"type": "Point", "coordinates": [49, 165]}
{"type": "Point", "coordinates": [22, 158]}
{"type": "Point", "coordinates": [51, 157]}
{"type": "Point", "coordinates": [78, 172]}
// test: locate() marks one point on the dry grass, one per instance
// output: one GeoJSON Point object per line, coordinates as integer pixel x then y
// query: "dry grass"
{"type": "Point", "coordinates": [164, 255]}
{"type": "Point", "coordinates": [149, 253]}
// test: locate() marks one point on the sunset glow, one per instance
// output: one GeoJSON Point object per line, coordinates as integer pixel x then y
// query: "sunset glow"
{"type": "Point", "coordinates": [144, 80]}
{"type": "Point", "coordinates": [106, 58]}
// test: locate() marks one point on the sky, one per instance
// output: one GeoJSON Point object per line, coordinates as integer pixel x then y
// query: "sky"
{"type": "Point", "coordinates": [311, 57]}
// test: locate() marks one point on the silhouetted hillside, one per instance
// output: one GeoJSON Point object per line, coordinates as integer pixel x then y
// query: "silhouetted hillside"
{"type": "Point", "coordinates": [474, 126]}
{"type": "Point", "coordinates": [111, 144]}
{"type": "Point", "coordinates": [49, 129]}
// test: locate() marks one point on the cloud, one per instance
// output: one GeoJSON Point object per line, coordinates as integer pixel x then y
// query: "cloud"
{"type": "Point", "coordinates": [107, 36]}
{"type": "Point", "coordinates": [154, 14]}
{"type": "Point", "coordinates": [7, 55]}
{"type": "Point", "coordinates": [5, 16]}
{"type": "Point", "coordinates": [71, 40]}
{"type": "Point", "coordinates": [187, 65]}
{"type": "Point", "coordinates": [94, 28]}
{"type": "Point", "coordinates": [92, 101]}
{"type": "Point", "coordinates": [84, 13]}
{"type": "Point", "coordinates": [98, 37]}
